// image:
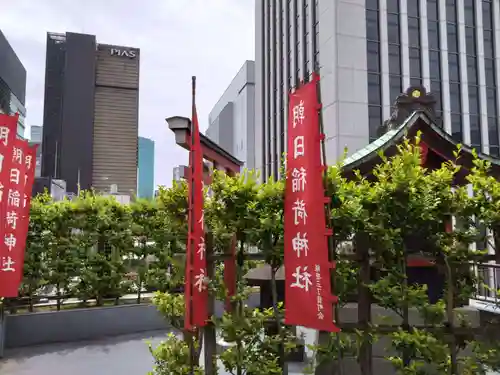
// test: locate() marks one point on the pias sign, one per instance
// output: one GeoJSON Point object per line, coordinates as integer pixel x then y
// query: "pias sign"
{"type": "Point", "coordinates": [123, 53]}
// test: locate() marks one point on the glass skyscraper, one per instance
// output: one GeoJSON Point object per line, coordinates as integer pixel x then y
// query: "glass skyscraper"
{"type": "Point", "coordinates": [146, 168]}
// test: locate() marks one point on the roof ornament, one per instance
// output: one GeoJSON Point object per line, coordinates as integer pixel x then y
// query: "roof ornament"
{"type": "Point", "coordinates": [416, 98]}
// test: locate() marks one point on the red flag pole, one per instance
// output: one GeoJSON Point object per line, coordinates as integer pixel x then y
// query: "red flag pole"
{"type": "Point", "coordinates": [192, 224]}
{"type": "Point", "coordinates": [195, 286]}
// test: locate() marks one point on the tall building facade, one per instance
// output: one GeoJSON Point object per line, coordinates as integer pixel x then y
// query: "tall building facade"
{"type": "Point", "coordinates": [146, 168]}
{"type": "Point", "coordinates": [36, 133]}
{"type": "Point", "coordinates": [232, 120]}
{"type": "Point", "coordinates": [91, 110]}
{"type": "Point", "coordinates": [369, 51]}
{"type": "Point", "coordinates": [12, 84]}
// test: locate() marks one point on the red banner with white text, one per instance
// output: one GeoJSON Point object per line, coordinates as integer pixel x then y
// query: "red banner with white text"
{"type": "Point", "coordinates": [12, 180]}
{"type": "Point", "coordinates": [17, 214]}
{"type": "Point", "coordinates": [196, 288]}
{"type": "Point", "coordinates": [8, 131]}
{"type": "Point", "coordinates": [29, 178]}
{"type": "Point", "coordinates": [308, 295]}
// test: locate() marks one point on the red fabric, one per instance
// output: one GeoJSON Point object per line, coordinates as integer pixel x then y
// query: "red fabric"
{"type": "Point", "coordinates": [308, 295]}
{"type": "Point", "coordinates": [30, 163]}
{"type": "Point", "coordinates": [424, 151]}
{"type": "Point", "coordinates": [196, 288]}
{"type": "Point", "coordinates": [14, 220]}
{"type": "Point", "coordinates": [8, 131]}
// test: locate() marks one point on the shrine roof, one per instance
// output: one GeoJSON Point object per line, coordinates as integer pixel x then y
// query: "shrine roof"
{"type": "Point", "coordinates": [413, 114]}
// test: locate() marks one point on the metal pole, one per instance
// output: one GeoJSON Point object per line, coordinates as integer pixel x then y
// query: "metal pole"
{"type": "Point", "coordinates": [55, 162]}
{"type": "Point", "coordinates": [78, 182]}
{"type": "Point", "coordinates": [191, 242]}
{"type": "Point", "coordinates": [332, 254]}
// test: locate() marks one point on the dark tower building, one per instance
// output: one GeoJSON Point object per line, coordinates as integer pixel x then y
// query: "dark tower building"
{"type": "Point", "coordinates": [12, 84]}
{"type": "Point", "coordinates": [90, 113]}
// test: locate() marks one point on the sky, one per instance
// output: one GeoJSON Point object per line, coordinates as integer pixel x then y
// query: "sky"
{"type": "Point", "coordinates": [210, 39]}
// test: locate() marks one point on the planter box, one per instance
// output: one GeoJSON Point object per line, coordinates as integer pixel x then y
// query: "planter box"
{"type": "Point", "coordinates": [87, 324]}
{"type": "Point", "coordinates": [80, 324]}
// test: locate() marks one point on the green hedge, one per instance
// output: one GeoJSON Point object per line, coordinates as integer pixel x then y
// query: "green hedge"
{"type": "Point", "coordinates": [90, 246]}
{"type": "Point", "coordinates": [93, 247]}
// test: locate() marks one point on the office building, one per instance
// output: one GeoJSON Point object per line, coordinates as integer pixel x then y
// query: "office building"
{"type": "Point", "coordinates": [369, 51]}
{"type": "Point", "coordinates": [232, 120]}
{"type": "Point", "coordinates": [179, 173]}
{"type": "Point", "coordinates": [90, 124]}
{"type": "Point", "coordinates": [36, 133]}
{"type": "Point", "coordinates": [146, 169]}
{"type": "Point", "coordinates": [12, 84]}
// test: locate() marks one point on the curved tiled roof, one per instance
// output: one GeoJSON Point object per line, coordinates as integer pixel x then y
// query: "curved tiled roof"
{"type": "Point", "coordinates": [393, 136]}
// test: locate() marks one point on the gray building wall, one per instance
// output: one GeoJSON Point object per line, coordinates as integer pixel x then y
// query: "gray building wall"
{"type": "Point", "coordinates": [232, 120]}
{"type": "Point", "coordinates": [12, 71]}
{"type": "Point", "coordinates": [36, 133]}
{"type": "Point", "coordinates": [221, 129]}
{"type": "Point", "coordinates": [116, 120]}
{"type": "Point", "coordinates": [294, 38]}
{"type": "Point", "coordinates": [12, 84]}
{"type": "Point", "coordinates": [369, 51]}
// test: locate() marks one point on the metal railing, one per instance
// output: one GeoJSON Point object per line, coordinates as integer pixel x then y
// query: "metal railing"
{"type": "Point", "coordinates": [488, 287]}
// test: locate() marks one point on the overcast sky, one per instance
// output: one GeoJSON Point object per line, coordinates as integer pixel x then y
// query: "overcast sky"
{"type": "Point", "coordinates": [178, 38]}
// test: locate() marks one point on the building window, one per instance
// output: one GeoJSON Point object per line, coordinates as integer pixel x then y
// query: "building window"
{"type": "Point", "coordinates": [394, 39]}
{"type": "Point", "coordinates": [434, 53]}
{"type": "Point", "coordinates": [282, 86]}
{"type": "Point", "coordinates": [436, 92]}
{"type": "Point", "coordinates": [305, 40]}
{"type": "Point", "coordinates": [491, 83]}
{"type": "Point", "coordinates": [374, 117]}
{"type": "Point", "coordinates": [414, 42]}
{"type": "Point", "coordinates": [374, 68]}
{"type": "Point", "coordinates": [374, 95]}
{"type": "Point", "coordinates": [472, 74]}
{"type": "Point", "coordinates": [288, 45]}
{"type": "Point", "coordinates": [451, 11]}
{"type": "Point", "coordinates": [393, 28]}
{"type": "Point", "coordinates": [395, 87]}
{"type": "Point", "coordinates": [413, 31]}
{"type": "Point", "coordinates": [433, 34]}
{"type": "Point", "coordinates": [315, 40]}
{"type": "Point", "coordinates": [297, 42]}
{"type": "Point", "coordinates": [415, 65]}
{"type": "Point", "coordinates": [373, 60]}
{"type": "Point", "coordinates": [454, 70]}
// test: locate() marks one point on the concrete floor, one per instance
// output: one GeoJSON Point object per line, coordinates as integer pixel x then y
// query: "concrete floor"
{"type": "Point", "coordinates": [124, 355]}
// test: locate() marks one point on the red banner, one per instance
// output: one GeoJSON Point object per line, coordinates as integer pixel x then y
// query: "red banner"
{"type": "Point", "coordinates": [14, 221]}
{"type": "Point", "coordinates": [308, 296]}
{"type": "Point", "coordinates": [8, 131]}
{"type": "Point", "coordinates": [30, 164]}
{"type": "Point", "coordinates": [196, 288]}
{"type": "Point", "coordinates": [12, 182]}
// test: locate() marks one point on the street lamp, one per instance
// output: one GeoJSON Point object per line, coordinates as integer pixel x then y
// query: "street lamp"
{"type": "Point", "coordinates": [178, 123]}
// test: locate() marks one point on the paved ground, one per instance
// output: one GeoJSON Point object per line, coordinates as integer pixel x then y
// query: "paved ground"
{"type": "Point", "coordinates": [124, 355]}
